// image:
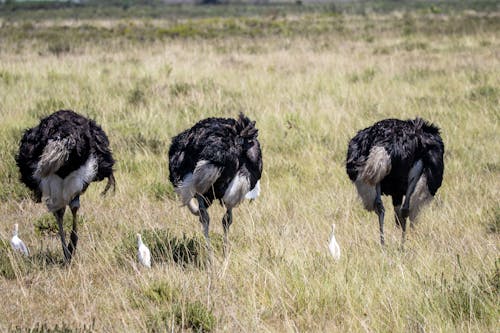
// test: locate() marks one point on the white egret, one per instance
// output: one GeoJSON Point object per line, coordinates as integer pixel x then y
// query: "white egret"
{"type": "Point", "coordinates": [143, 254]}
{"type": "Point", "coordinates": [334, 246]}
{"type": "Point", "coordinates": [16, 242]}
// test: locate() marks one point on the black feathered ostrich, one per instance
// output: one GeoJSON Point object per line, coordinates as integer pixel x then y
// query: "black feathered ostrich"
{"type": "Point", "coordinates": [58, 159]}
{"type": "Point", "coordinates": [217, 158]}
{"type": "Point", "coordinates": [403, 159]}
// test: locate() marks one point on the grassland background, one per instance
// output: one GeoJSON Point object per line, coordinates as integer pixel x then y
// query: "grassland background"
{"type": "Point", "coordinates": [311, 76]}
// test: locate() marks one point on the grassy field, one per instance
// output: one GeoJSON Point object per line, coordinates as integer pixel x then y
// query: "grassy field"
{"type": "Point", "coordinates": [311, 79]}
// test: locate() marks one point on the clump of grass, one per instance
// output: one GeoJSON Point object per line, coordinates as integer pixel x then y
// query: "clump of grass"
{"type": "Point", "coordinates": [383, 50]}
{"type": "Point", "coordinates": [12, 188]}
{"type": "Point", "coordinates": [166, 247]}
{"type": "Point", "coordinates": [46, 106]}
{"type": "Point", "coordinates": [494, 225]}
{"type": "Point", "coordinates": [136, 141]}
{"type": "Point", "coordinates": [465, 298]}
{"type": "Point", "coordinates": [196, 316]}
{"type": "Point", "coordinates": [46, 257]}
{"type": "Point", "coordinates": [63, 328]}
{"type": "Point", "coordinates": [192, 315]}
{"type": "Point", "coordinates": [369, 38]}
{"type": "Point", "coordinates": [422, 73]}
{"type": "Point", "coordinates": [163, 296]}
{"type": "Point", "coordinates": [8, 78]}
{"type": "Point", "coordinates": [167, 70]}
{"type": "Point", "coordinates": [161, 292]}
{"type": "Point", "coordinates": [409, 24]}
{"type": "Point", "coordinates": [412, 45]}
{"type": "Point", "coordinates": [12, 262]}
{"type": "Point", "coordinates": [181, 30]}
{"type": "Point", "coordinates": [162, 190]}
{"type": "Point", "coordinates": [365, 76]}
{"type": "Point", "coordinates": [153, 145]}
{"type": "Point", "coordinates": [6, 268]}
{"type": "Point", "coordinates": [435, 9]}
{"type": "Point", "coordinates": [137, 97]}
{"type": "Point", "coordinates": [486, 92]}
{"type": "Point", "coordinates": [180, 88]}
{"type": "Point", "coordinates": [59, 47]}
{"type": "Point", "coordinates": [46, 225]}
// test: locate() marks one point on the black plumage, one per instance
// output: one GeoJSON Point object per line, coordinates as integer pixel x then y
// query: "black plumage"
{"type": "Point", "coordinates": [216, 159]}
{"type": "Point", "coordinates": [403, 159]}
{"type": "Point", "coordinates": [59, 158]}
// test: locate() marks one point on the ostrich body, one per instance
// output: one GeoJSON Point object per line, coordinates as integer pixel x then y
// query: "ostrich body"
{"type": "Point", "coordinates": [58, 159]}
{"type": "Point", "coordinates": [17, 243]}
{"type": "Point", "coordinates": [403, 159]}
{"type": "Point", "coordinates": [216, 159]}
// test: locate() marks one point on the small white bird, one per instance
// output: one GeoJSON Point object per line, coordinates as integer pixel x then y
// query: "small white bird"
{"type": "Point", "coordinates": [17, 244]}
{"type": "Point", "coordinates": [143, 254]}
{"type": "Point", "coordinates": [334, 246]}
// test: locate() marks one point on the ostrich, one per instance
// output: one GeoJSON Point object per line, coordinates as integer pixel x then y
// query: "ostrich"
{"type": "Point", "coordinates": [403, 159]}
{"type": "Point", "coordinates": [58, 159]}
{"type": "Point", "coordinates": [217, 158]}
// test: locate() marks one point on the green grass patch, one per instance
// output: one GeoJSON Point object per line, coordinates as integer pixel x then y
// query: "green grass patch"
{"type": "Point", "coordinates": [162, 191]}
{"type": "Point", "coordinates": [13, 263]}
{"type": "Point", "coordinates": [192, 316]}
{"type": "Point", "coordinates": [485, 93]}
{"type": "Point", "coordinates": [171, 309]}
{"type": "Point", "coordinates": [137, 97]}
{"type": "Point", "coordinates": [469, 298]}
{"type": "Point", "coordinates": [46, 225]}
{"type": "Point", "coordinates": [166, 247]}
{"type": "Point", "coordinates": [195, 316]}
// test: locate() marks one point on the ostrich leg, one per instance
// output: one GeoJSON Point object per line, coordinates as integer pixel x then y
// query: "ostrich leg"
{"type": "Point", "coordinates": [205, 222]}
{"type": "Point", "coordinates": [227, 220]}
{"type": "Point", "coordinates": [396, 202]}
{"type": "Point", "coordinates": [380, 210]}
{"type": "Point", "coordinates": [413, 177]}
{"type": "Point", "coordinates": [59, 214]}
{"type": "Point", "coordinates": [74, 205]}
{"type": "Point", "coordinates": [399, 217]}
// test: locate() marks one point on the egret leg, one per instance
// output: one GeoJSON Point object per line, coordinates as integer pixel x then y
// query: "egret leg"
{"type": "Point", "coordinates": [227, 220]}
{"type": "Point", "coordinates": [380, 210]}
{"type": "Point", "coordinates": [59, 214]}
{"type": "Point", "coordinates": [205, 222]}
{"type": "Point", "coordinates": [74, 205]}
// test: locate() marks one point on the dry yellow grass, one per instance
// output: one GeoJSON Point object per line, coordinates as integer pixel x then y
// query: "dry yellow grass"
{"type": "Point", "coordinates": [309, 97]}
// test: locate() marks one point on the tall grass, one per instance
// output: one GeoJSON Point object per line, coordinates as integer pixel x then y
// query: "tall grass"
{"type": "Point", "coordinates": [309, 95]}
